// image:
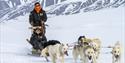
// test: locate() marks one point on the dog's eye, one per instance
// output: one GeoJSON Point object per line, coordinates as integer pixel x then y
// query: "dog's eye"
{"type": "Point", "coordinates": [114, 51]}
{"type": "Point", "coordinates": [118, 51]}
{"type": "Point", "coordinates": [88, 52]}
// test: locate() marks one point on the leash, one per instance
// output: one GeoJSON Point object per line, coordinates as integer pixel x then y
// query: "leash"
{"type": "Point", "coordinates": [47, 25]}
{"type": "Point", "coordinates": [107, 47]}
{"type": "Point", "coordinates": [71, 45]}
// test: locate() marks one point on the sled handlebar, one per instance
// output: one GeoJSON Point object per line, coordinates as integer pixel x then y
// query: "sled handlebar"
{"type": "Point", "coordinates": [34, 27]}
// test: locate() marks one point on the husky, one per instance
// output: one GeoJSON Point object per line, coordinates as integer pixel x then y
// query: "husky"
{"type": "Point", "coordinates": [89, 55]}
{"type": "Point", "coordinates": [96, 44]}
{"type": "Point", "coordinates": [56, 51]}
{"type": "Point", "coordinates": [116, 53]}
{"type": "Point", "coordinates": [82, 45]}
{"type": "Point", "coordinates": [78, 49]}
{"type": "Point", "coordinates": [86, 53]}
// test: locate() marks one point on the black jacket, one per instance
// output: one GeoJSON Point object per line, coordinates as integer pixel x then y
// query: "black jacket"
{"type": "Point", "coordinates": [35, 19]}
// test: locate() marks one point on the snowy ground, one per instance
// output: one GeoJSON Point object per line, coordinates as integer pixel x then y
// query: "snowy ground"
{"type": "Point", "coordinates": [108, 25]}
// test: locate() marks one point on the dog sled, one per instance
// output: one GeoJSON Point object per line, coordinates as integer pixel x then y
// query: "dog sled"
{"type": "Point", "coordinates": [37, 39]}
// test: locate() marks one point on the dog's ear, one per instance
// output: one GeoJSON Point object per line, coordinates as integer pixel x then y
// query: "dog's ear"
{"type": "Point", "coordinates": [111, 52]}
{"type": "Point", "coordinates": [110, 46]}
{"type": "Point", "coordinates": [117, 43]}
{"type": "Point", "coordinates": [67, 44]}
{"type": "Point", "coordinates": [62, 44]}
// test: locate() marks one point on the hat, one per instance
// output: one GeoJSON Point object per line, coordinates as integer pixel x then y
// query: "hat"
{"type": "Point", "coordinates": [36, 3]}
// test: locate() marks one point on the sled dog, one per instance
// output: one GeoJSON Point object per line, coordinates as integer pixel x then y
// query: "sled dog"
{"type": "Point", "coordinates": [56, 51]}
{"type": "Point", "coordinates": [78, 51]}
{"type": "Point", "coordinates": [96, 44]}
{"type": "Point", "coordinates": [89, 55]}
{"type": "Point", "coordinates": [82, 46]}
{"type": "Point", "coordinates": [116, 53]}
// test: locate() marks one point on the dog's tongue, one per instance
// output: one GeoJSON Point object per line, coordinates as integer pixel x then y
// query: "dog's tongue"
{"type": "Point", "coordinates": [90, 57]}
{"type": "Point", "coordinates": [66, 53]}
{"type": "Point", "coordinates": [117, 56]}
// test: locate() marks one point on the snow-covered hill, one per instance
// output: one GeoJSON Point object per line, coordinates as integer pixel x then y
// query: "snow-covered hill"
{"type": "Point", "coordinates": [57, 7]}
{"type": "Point", "coordinates": [10, 9]}
{"type": "Point", "coordinates": [4, 4]}
{"type": "Point", "coordinates": [108, 25]}
{"type": "Point", "coordinates": [71, 7]}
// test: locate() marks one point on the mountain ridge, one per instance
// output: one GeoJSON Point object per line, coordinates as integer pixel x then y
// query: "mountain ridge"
{"type": "Point", "coordinates": [65, 7]}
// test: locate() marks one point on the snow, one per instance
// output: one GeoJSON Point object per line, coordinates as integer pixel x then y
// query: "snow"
{"type": "Point", "coordinates": [75, 0]}
{"type": "Point", "coordinates": [107, 24]}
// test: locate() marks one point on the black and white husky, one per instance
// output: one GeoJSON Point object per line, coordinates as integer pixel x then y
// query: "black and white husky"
{"type": "Point", "coordinates": [55, 49]}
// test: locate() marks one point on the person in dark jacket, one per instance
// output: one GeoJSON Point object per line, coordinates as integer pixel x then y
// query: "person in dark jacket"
{"type": "Point", "coordinates": [37, 17]}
